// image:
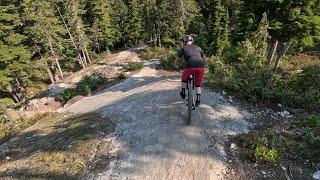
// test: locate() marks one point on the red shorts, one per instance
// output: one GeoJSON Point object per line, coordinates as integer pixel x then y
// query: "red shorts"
{"type": "Point", "coordinates": [198, 71]}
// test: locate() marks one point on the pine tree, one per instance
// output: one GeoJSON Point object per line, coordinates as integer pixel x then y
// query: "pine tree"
{"type": "Point", "coordinates": [73, 15]}
{"type": "Point", "coordinates": [133, 23]}
{"type": "Point", "coordinates": [215, 18]}
{"type": "Point", "coordinates": [118, 13]}
{"type": "Point", "coordinates": [15, 60]}
{"type": "Point", "coordinates": [46, 33]}
{"type": "Point", "coordinates": [98, 18]}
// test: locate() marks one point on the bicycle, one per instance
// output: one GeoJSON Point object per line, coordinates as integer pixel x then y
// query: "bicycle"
{"type": "Point", "coordinates": [190, 100]}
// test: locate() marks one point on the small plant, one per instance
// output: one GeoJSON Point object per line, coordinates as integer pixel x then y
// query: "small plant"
{"type": "Point", "coordinates": [84, 87]}
{"type": "Point", "coordinates": [121, 76]}
{"type": "Point", "coordinates": [133, 66]}
{"type": "Point", "coordinates": [265, 154]}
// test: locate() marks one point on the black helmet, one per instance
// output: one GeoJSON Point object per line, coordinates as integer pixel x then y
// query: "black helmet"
{"type": "Point", "coordinates": [187, 38]}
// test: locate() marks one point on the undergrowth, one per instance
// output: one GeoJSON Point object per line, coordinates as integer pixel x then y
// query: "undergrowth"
{"type": "Point", "coordinates": [84, 87]}
{"type": "Point", "coordinates": [298, 143]}
{"type": "Point", "coordinates": [247, 75]}
{"type": "Point", "coordinates": [133, 66]}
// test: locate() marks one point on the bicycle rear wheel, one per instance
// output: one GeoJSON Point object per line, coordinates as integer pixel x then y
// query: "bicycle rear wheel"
{"type": "Point", "coordinates": [190, 103]}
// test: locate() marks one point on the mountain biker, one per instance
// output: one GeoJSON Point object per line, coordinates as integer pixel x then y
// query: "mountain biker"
{"type": "Point", "coordinates": [195, 63]}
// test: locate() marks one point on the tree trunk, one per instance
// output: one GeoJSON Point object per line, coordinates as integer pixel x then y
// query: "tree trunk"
{"type": "Point", "coordinates": [84, 57]}
{"type": "Point", "coordinates": [159, 40]}
{"type": "Point", "coordinates": [97, 43]}
{"type": "Point", "coordinates": [15, 97]}
{"type": "Point", "coordinates": [87, 54]}
{"type": "Point", "coordinates": [50, 76]}
{"type": "Point", "coordinates": [54, 54]}
{"type": "Point", "coordinates": [81, 62]}
{"type": "Point", "coordinates": [281, 55]}
{"type": "Point", "coordinates": [71, 37]}
{"type": "Point", "coordinates": [108, 50]}
{"type": "Point", "coordinates": [272, 52]}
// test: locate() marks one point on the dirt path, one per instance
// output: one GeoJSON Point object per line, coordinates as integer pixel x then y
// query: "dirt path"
{"type": "Point", "coordinates": [151, 140]}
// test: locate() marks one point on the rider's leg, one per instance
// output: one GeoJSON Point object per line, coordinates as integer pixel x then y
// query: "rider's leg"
{"type": "Point", "coordinates": [198, 92]}
{"type": "Point", "coordinates": [185, 76]}
{"type": "Point", "coordinates": [183, 90]}
{"type": "Point", "coordinates": [198, 82]}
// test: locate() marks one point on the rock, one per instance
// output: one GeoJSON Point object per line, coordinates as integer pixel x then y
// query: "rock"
{"type": "Point", "coordinates": [279, 105]}
{"type": "Point", "coordinates": [36, 103]}
{"type": "Point", "coordinates": [55, 90]}
{"type": "Point", "coordinates": [230, 99]}
{"type": "Point", "coordinates": [73, 100]}
{"type": "Point", "coordinates": [223, 92]}
{"type": "Point", "coordinates": [233, 146]}
{"type": "Point", "coordinates": [284, 114]}
{"type": "Point", "coordinates": [263, 172]}
{"type": "Point", "coordinates": [316, 175]}
{"type": "Point", "coordinates": [12, 114]}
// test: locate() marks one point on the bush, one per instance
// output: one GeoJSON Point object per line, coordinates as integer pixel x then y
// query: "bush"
{"type": "Point", "coordinates": [133, 66]}
{"type": "Point", "coordinates": [84, 87]}
{"type": "Point", "coordinates": [265, 154]}
{"type": "Point", "coordinates": [247, 75]}
{"type": "Point", "coordinates": [270, 145]}
{"type": "Point", "coordinates": [158, 52]}
{"type": "Point", "coordinates": [8, 102]}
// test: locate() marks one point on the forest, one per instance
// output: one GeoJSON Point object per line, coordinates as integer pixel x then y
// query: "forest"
{"type": "Point", "coordinates": [42, 41]}
{"type": "Point", "coordinates": [266, 53]}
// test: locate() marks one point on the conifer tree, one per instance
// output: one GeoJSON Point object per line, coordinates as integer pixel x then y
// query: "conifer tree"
{"type": "Point", "coordinates": [73, 16]}
{"type": "Point", "coordinates": [133, 23]}
{"type": "Point", "coordinates": [16, 67]}
{"type": "Point", "coordinates": [98, 18]}
{"type": "Point", "coordinates": [46, 32]}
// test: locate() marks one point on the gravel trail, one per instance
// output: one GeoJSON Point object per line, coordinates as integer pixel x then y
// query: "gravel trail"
{"type": "Point", "coordinates": [152, 141]}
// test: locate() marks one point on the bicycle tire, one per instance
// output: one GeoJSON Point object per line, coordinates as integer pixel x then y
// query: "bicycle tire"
{"type": "Point", "coordinates": [190, 105]}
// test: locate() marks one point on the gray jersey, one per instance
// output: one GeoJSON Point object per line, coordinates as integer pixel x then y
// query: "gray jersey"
{"type": "Point", "coordinates": [193, 55]}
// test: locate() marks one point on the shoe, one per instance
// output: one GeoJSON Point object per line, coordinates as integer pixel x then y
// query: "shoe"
{"type": "Point", "coordinates": [198, 103]}
{"type": "Point", "coordinates": [183, 95]}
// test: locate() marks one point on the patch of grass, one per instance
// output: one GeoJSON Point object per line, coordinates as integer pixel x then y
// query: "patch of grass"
{"type": "Point", "coordinates": [11, 128]}
{"type": "Point", "coordinates": [68, 146]}
{"type": "Point", "coordinates": [8, 102]}
{"type": "Point", "coordinates": [133, 66]}
{"type": "Point", "coordinates": [300, 143]}
{"type": "Point", "coordinates": [84, 87]}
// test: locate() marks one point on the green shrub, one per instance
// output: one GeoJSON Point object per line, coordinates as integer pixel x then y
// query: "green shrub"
{"type": "Point", "coordinates": [133, 66]}
{"type": "Point", "coordinates": [249, 77]}
{"type": "Point", "coordinates": [265, 154]}
{"type": "Point", "coordinates": [84, 87]}
{"type": "Point", "coordinates": [8, 102]}
{"type": "Point", "coordinates": [158, 52]}
{"type": "Point", "coordinates": [68, 94]}
{"type": "Point", "coordinates": [168, 63]}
